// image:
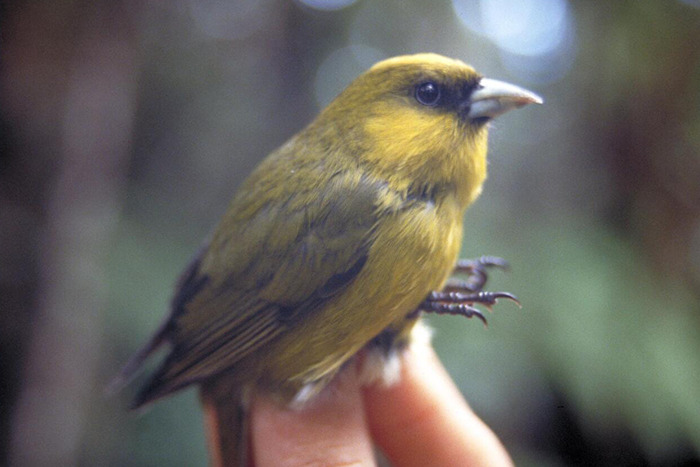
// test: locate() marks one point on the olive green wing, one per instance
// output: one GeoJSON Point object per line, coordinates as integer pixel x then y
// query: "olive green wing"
{"type": "Point", "coordinates": [260, 273]}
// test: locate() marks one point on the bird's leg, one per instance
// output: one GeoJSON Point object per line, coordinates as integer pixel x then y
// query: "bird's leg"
{"type": "Point", "coordinates": [460, 296]}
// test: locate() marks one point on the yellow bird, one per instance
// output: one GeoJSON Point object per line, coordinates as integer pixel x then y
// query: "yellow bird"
{"type": "Point", "coordinates": [340, 238]}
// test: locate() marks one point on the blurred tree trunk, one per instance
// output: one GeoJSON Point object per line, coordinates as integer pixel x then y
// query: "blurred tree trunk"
{"type": "Point", "coordinates": [70, 92]}
{"type": "Point", "coordinates": [651, 129]}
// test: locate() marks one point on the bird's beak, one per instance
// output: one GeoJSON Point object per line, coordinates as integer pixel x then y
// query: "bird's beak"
{"type": "Point", "coordinates": [492, 98]}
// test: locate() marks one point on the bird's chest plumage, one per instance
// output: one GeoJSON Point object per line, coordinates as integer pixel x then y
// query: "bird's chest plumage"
{"type": "Point", "coordinates": [415, 251]}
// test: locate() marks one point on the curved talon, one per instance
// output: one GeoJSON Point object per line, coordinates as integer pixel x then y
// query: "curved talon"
{"type": "Point", "coordinates": [512, 298]}
{"type": "Point", "coordinates": [492, 298]}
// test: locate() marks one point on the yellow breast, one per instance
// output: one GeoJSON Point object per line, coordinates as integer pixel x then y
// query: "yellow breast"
{"type": "Point", "coordinates": [413, 254]}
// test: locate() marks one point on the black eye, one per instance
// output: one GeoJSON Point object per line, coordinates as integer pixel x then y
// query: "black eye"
{"type": "Point", "coordinates": [428, 93]}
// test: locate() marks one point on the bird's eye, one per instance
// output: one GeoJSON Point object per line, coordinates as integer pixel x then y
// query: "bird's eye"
{"type": "Point", "coordinates": [428, 93]}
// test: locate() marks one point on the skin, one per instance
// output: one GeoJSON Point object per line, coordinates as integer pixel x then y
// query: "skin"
{"type": "Point", "coordinates": [422, 420]}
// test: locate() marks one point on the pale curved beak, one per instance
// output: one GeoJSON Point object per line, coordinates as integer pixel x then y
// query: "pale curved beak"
{"type": "Point", "coordinates": [493, 98]}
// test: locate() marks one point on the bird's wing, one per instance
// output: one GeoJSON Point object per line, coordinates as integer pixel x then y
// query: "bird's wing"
{"type": "Point", "coordinates": [259, 275]}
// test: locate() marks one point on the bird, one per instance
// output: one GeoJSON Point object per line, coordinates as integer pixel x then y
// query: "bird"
{"type": "Point", "coordinates": [340, 239]}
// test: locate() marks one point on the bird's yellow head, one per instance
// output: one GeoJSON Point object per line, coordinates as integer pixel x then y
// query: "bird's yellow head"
{"type": "Point", "coordinates": [422, 119]}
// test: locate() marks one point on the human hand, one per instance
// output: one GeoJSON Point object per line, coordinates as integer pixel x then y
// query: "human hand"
{"type": "Point", "coordinates": [422, 420]}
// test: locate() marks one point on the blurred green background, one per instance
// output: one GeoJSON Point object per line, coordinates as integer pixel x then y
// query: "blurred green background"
{"type": "Point", "coordinates": [125, 128]}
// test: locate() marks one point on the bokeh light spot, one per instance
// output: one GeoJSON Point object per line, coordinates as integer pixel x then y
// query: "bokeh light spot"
{"type": "Point", "coordinates": [532, 27]}
{"type": "Point", "coordinates": [535, 37]}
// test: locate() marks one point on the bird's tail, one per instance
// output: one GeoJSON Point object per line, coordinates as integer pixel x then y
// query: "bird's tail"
{"type": "Point", "coordinates": [129, 370]}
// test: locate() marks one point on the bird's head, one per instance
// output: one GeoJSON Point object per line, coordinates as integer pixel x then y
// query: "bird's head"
{"type": "Point", "coordinates": [424, 117]}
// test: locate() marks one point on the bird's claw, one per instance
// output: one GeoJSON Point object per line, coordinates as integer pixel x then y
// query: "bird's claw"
{"type": "Point", "coordinates": [457, 303]}
{"type": "Point", "coordinates": [460, 296]}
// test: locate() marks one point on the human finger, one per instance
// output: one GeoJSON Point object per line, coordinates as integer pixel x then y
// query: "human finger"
{"type": "Point", "coordinates": [424, 420]}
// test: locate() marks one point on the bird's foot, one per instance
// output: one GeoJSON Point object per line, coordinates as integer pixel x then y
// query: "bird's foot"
{"type": "Point", "coordinates": [460, 296]}
{"type": "Point", "coordinates": [457, 303]}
